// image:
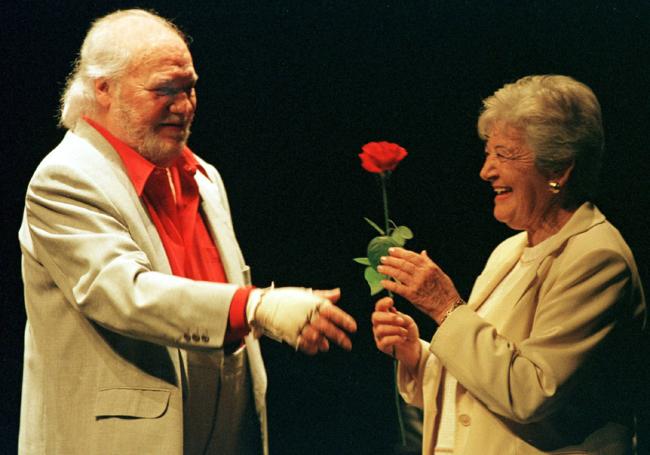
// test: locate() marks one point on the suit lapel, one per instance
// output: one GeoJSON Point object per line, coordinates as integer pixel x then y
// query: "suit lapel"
{"type": "Point", "coordinates": [220, 227]}
{"type": "Point", "coordinates": [494, 272]}
{"type": "Point", "coordinates": [218, 222]}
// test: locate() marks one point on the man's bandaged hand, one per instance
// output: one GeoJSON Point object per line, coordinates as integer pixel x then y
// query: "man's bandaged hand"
{"type": "Point", "coordinates": [282, 313]}
{"type": "Point", "coordinates": [302, 318]}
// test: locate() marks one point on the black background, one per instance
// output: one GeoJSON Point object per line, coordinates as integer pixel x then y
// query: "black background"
{"type": "Point", "coordinates": [289, 90]}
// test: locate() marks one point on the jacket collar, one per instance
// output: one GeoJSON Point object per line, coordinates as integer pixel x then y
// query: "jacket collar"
{"type": "Point", "coordinates": [508, 253]}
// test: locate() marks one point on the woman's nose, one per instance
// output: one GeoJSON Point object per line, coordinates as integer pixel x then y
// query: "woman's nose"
{"type": "Point", "coordinates": [488, 170]}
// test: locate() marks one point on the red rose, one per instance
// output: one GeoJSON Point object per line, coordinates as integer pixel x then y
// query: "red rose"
{"type": "Point", "coordinates": [381, 157]}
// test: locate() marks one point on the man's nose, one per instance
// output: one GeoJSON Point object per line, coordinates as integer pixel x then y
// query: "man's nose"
{"type": "Point", "coordinates": [183, 104]}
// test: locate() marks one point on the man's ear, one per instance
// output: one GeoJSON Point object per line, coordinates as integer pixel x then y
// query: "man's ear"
{"type": "Point", "coordinates": [104, 91]}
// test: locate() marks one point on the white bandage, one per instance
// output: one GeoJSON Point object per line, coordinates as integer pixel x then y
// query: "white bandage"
{"type": "Point", "coordinates": [282, 313]}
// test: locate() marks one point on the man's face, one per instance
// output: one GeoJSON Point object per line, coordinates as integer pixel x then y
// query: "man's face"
{"type": "Point", "coordinates": [153, 105]}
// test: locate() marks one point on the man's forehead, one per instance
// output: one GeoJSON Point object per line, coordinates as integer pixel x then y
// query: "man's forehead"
{"type": "Point", "coordinates": [165, 63]}
{"type": "Point", "coordinates": [174, 70]}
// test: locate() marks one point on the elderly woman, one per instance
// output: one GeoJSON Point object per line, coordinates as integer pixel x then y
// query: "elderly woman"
{"type": "Point", "coordinates": [539, 359]}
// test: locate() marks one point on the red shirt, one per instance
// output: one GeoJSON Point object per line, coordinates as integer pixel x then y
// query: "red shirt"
{"type": "Point", "coordinates": [171, 196]}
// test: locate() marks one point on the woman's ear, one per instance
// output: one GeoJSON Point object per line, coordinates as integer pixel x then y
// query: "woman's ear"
{"type": "Point", "coordinates": [563, 177]}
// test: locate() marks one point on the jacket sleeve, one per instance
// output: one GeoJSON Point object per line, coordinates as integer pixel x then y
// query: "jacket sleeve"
{"type": "Point", "coordinates": [412, 387]}
{"type": "Point", "coordinates": [78, 232]}
{"type": "Point", "coordinates": [577, 308]}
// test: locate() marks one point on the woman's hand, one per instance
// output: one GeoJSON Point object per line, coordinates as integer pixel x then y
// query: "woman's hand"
{"type": "Point", "coordinates": [420, 281]}
{"type": "Point", "coordinates": [396, 334]}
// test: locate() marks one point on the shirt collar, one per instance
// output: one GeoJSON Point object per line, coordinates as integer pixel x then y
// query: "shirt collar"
{"type": "Point", "coordinates": [138, 168]}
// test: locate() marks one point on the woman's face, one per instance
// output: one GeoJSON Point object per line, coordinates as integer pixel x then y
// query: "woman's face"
{"type": "Point", "coordinates": [523, 200]}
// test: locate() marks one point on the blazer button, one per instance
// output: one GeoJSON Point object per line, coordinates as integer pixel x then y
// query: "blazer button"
{"type": "Point", "coordinates": [187, 336]}
{"type": "Point", "coordinates": [205, 338]}
{"type": "Point", "coordinates": [195, 337]}
{"type": "Point", "coordinates": [465, 420]}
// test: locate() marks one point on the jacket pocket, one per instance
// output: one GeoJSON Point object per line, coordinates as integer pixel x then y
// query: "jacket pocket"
{"type": "Point", "coordinates": [131, 403]}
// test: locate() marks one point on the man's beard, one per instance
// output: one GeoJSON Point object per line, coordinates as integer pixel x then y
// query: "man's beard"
{"type": "Point", "coordinates": [147, 142]}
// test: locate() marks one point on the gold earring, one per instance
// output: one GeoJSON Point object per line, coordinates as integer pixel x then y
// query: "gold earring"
{"type": "Point", "coordinates": [554, 187]}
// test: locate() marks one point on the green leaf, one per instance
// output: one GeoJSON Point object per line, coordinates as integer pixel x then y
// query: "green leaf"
{"type": "Point", "coordinates": [401, 234]}
{"type": "Point", "coordinates": [398, 238]}
{"type": "Point", "coordinates": [374, 280]}
{"type": "Point", "coordinates": [404, 232]}
{"type": "Point", "coordinates": [374, 225]}
{"type": "Point", "coordinates": [378, 247]}
{"type": "Point", "coordinates": [363, 261]}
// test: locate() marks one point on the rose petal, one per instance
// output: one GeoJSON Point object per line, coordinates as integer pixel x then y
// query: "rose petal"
{"type": "Point", "coordinates": [368, 164]}
{"type": "Point", "coordinates": [381, 156]}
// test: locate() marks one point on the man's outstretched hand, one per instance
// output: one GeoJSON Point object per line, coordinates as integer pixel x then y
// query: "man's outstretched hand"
{"type": "Point", "coordinates": [307, 320]}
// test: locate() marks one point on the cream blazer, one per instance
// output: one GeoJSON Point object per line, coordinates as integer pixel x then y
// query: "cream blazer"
{"type": "Point", "coordinates": [554, 373]}
{"type": "Point", "coordinates": [107, 323]}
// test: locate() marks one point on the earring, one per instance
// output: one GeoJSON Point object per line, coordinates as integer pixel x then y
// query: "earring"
{"type": "Point", "coordinates": [554, 187]}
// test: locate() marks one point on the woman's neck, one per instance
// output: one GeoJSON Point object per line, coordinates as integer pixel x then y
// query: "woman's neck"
{"type": "Point", "coordinates": [551, 224]}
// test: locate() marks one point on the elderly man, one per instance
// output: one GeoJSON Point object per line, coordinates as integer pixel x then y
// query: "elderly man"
{"type": "Point", "coordinates": [142, 324]}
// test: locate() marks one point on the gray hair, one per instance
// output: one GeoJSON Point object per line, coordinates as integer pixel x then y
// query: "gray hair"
{"type": "Point", "coordinates": [561, 122]}
{"type": "Point", "coordinates": [109, 48]}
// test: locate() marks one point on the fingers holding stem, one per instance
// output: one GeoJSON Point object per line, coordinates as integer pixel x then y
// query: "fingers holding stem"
{"type": "Point", "coordinates": [388, 325]}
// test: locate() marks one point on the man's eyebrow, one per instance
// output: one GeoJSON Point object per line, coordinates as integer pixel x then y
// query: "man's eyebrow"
{"type": "Point", "coordinates": [190, 80]}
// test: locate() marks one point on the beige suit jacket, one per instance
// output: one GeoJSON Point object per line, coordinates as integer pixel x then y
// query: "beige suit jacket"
{"type": "Point", "coordinates": [553, 373]}
{"type": "Point", "coordinates": [107, 323]}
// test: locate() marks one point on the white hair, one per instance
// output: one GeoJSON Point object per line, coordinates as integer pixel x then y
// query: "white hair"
{"type": "Point", "coordinates": [561, 121]}
{"type": "Point", "coordinates": [110, 46]}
